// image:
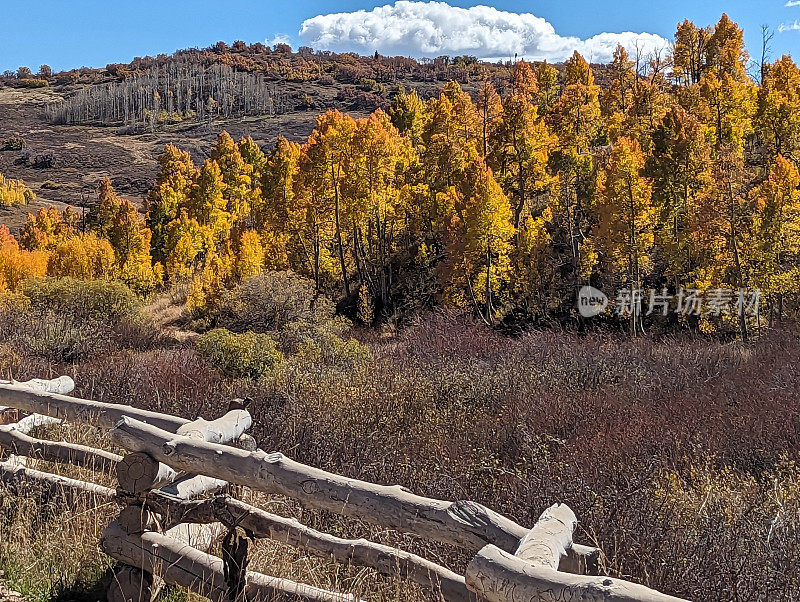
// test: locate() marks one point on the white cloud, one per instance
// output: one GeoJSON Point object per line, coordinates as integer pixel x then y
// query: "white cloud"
{"type": "Point", "coordinates": [789, 27]}
{"type": "Point", "coordinates": [429, 29]}
{"type": "Point", "coordinates": [279, 38]}
{"type": "Point", "coordinates": [792, 3]}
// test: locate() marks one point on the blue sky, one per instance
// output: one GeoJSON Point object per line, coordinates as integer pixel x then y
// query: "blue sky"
{"type": "Point", "coordinates": [67, 34]}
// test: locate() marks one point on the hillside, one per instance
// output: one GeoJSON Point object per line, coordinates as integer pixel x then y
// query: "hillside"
{"type": "Point", "coordinates": [83, 154]}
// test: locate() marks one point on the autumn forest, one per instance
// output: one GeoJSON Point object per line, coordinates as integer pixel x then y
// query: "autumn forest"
{"type": "Point", "coordinates": [680, 172]}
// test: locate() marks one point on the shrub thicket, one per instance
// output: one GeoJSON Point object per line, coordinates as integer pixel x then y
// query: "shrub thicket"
{"type": "Point", "coordinates": [248, 355]}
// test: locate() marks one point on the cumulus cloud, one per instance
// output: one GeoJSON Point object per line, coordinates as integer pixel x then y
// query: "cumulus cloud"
{"type": "Point", "coordinates": [429, 29]}
{"type": "Point", "coordinates": [791, 3]}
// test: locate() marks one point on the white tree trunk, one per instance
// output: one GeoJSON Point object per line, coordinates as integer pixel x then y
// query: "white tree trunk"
{"type": "Point", "coordinates": [19, 477]}
{"type": "Point", "coordinates": [550, 538]}
{"type": "Point", "coordinates": [139, 472]}
{"type": "Point", "coordinates": [229, 427]}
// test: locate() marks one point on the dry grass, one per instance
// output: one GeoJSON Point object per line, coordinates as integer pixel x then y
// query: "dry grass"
{"type": "Point", "coordinates": [678, 455]}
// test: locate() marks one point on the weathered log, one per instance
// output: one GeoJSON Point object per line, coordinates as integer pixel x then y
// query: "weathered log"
{"type": "Point", "coordinates": [19, 443]}
{"type": "Point", "coordinates": [227, 428]}
{"type": "Point", "coordinates": [139, 472]}
{"type": "Point", "coordinates": [465, 524]}
{"type": "Point", "coordinates": [194, 486]}
{"type": "Point", "coordinates": [135, 519]}
{"type": "Point", "coordinates": [261, 524]}
{"type": "Point", "coordinates": [17, 476]}
{"type": "Point", "coordinates": [180, 564]}
{"type": "Point", "coordinates": [497, 576]}
{"type": "Point", "coordinates": [62, 384]}
{"type": "Point", "coordinates": [550, 538]}
{"type": "Point", "coordinates": [80, 410]}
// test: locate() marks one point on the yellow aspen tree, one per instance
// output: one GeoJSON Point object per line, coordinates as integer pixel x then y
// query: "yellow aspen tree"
{"type": "Point", "coordinates": [479, 240]}
{"type": "Point", "coordinates": [731, 108]}
{"type": "Point", "coordinates": [576, 118]}
{"type": "Point", "coordinates": [777, 118]}
{"type": "Point", "coordinates": [689, 53]}
{"type": "Point", "coordinates": [207, 203]}
{"type": "Point", "coordinates": [47, 228]}
{"type": "Point", "coordinates": [547, 86]}
{"type": "Point", "coordinates": [408, 114]}
{"type": "Point", "coordinates": [725, 51]}
{"type": "Point", "coordinates": [490, 109]}
{"type": "Point", "coordinates": [778, 229]}
{"type": "Point", "coordinates": [18, 264]}
{"type": "Point", "coordinates": [249, 255]}
{"type": "Point", "coordinates": [85, 256]}
{"type": "Point", "coordinates": [680, 169]}
{"type": "Point", "coordinates": [170, 194]}
{"type": "Point", "coordinates": [626, 219]}
{"type": "Point", "coordinates": [324, 158]}
{"type": "Point", "coordinates": [236, 174]}
{"type": "Point", "coordinates": [14, 192]}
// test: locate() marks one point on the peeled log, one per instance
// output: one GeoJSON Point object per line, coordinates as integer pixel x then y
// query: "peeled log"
{"type": "Point", "coordinates": [361, 552]}
{"type": "Point", "coordinates": [139, 472]}
{"type": "Point", "coordinates": [550, 538]}
{"type": "Point", "coordinates": [18, 476]}
{"type": "Point", "coordinates": [19, 443]}
{"type": "Point", "coordinates": [73, 409]}
{"type": "Point", "coordinates": [497, 576]}
{"type": "Point", "coordinates": [180, 564]}
{"type": "Point", "coordinates": [465, 524]}
{"type": "Point", "coordinates": [191, 487]}
{"type": "Point", "coordinates": [62, 384]}
{"type": "Point", "coordinates": [227, 428]}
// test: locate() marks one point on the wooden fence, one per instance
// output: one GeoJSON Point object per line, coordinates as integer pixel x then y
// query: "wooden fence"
{"type": "Point", "coordinates": [172, 509]}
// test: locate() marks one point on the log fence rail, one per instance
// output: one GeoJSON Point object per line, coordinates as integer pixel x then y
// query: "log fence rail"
{"type": "Point", "coordinates": [171, 485]}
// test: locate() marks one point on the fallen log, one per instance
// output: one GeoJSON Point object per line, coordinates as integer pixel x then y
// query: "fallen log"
{"type": "Point", "coordinates": [261, 524]}
{"type": "Point", "coordinates": [17, 442]}
{"type": "Point", "coordinates": [74, 409]}
{"type": "Point", "coordinates": [497, 576]}
{"type": "Point", "coordinates": [194, 486]}
{"type": "Point", "coordinates": [465, 524]}
{"type": "Point", "coordinates": [183, 565]}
